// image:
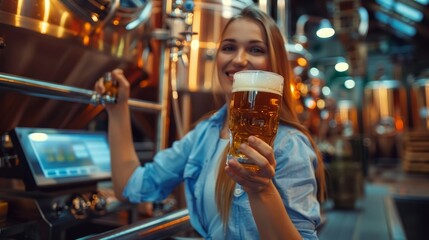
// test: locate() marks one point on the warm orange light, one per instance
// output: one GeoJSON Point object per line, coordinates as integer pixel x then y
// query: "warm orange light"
{"type": "Point", "coordinates": [302, 62]}
{"type": "Point", "coordinates": [19, 6]}
{"type": "Point", "coordinates": [63, 21]}
{"type": "Point", "coordinates": [144, 84]}
{"type": "Point", "coordinates": [343, 114]}
{"type": "Point", "coordinates": [311, 104]}
{"type": "Point", "coordinates": [399, 124]}
{"type": "Point", "coordinates": [44, 24]}
{"type": "Point", "coordinates": [94, 17]}
{"type": "Point", "coordinates": [303, 88]}
{"type": "Point", "coordinates": [321, 104]}
{"type": "Point", "coordinates": [383, 102]}
{"type": "Point", "coordinates": [194, 55]}
{"type": "Point", "coordinates": [86, 40]}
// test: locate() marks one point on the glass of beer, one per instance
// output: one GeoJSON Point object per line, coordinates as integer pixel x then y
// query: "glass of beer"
{"type": "Point", "coordinates": [253, 110]}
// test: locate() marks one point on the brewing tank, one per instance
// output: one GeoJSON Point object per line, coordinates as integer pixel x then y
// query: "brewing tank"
{"type": "Point", "coordinates": [49, 39]}
{"type": "Point", "coordinates": [68, 42]}
{"type": "Point", "coordinates": [347, 116]}
{"type": "Point", "coordinates": [420, 104]}
{"type": "Point", "coordinates": [196, 71]}
{"type": "Point", "coordinates": [384, 115]}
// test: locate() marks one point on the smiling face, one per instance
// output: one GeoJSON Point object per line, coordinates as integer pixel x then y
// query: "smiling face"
{"type": "Point", "coordinates": [243, 47]}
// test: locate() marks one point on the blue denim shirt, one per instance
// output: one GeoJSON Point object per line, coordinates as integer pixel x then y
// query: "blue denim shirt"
{"type": "Point", "coordinates": [184, 161]}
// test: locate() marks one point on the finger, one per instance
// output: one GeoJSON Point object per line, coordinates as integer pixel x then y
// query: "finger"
{"type": "Point", "coordinates": [254, 157]}
{"type": "Point", "coordinates": [118, 75]}
{"type": "Point", "coordinates": [263, 148]}
{"type": "Point", "coordinates": [242, 175]}
{"type": "Point", "coordinates": [99, 86]}
{"type": "Point", "coordinates": [252, 185]}
{"type": "Point", "coordinates": [260, 154]}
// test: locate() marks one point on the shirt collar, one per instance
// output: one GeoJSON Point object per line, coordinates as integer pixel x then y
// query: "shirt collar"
{"type": "Point", "coordinates": [219, 116]}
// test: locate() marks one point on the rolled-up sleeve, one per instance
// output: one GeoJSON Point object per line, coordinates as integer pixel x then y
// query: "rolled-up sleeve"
{"type": "Point", "coordinates": [296, 182]}
{"type": "Point", "coordinates": [156, 180]}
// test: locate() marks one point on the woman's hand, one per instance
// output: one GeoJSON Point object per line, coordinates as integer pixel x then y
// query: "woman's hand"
{"type": "Point", "coordinates": [268, 209]}
{"type": "Point", "coordinates": [259, 153]}
{"type": "Point", "coordinates": [123, 87]}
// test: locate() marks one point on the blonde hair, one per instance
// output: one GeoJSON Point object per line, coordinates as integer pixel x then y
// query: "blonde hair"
{"type": "Point", "coordinates": [279, 64]}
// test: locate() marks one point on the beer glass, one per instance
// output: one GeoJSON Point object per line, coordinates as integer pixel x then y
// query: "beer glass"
{"type": "Point", "coordinates": [253, 110]}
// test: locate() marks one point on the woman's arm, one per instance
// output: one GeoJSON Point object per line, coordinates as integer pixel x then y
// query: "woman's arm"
{"type": "Point", "coordinates": [124, 159]}
{"type": "Point", "coordinates": [268, 209]}
{"type": "Point", "coordinates": [270, 215]}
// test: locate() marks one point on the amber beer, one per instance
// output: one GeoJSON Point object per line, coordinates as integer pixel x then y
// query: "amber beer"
{"type": "Point", "coordinates": [254, 110]}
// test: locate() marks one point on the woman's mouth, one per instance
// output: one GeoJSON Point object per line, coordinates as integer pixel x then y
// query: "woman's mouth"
{"type": "Point", "coordinates": [230, 74]}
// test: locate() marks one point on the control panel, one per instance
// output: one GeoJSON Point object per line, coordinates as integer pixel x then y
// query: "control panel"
{"type": "Point", "coordinates": [77, 206]}
{"type": "Point", "coordinates": [64, 207]}
{"type": "Point", "coordinates": [57, 212]}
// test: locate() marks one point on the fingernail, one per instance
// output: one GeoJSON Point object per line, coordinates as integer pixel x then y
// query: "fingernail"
{"type": "Point", "coordinates": [251, 139]}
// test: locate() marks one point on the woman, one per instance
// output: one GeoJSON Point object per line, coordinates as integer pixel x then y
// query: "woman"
{"type": "Point", "coordinates": [230, 202]}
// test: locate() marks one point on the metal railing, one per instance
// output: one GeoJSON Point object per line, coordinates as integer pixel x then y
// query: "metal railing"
{"type": "Point", "coordinates": [39, 88]}
{"type": "Point", "coordinates": [61, 92]}
{"type": "Point", "coordinates": [154, 228]}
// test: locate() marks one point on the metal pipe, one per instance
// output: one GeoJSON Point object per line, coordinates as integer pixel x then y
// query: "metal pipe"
{"type": "Point", "coordinates": [155, 228]}
{"type": "Point", "coordinates": [164, 99]}
{"type": "Point", "coordinates": [61, 92]}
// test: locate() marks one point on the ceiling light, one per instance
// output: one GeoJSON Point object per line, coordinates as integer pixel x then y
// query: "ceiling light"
{"type": "Point", "coordinates": [350, 83]}
{"type": "Point", "coordinates": [402, 9]}
{"type": "Point", "coordinates": [326, 90]}
{"type": "Point", "coordinates": [399, 26]}
{"type": "Point", "coordinates": [408, 12]}
{"type": "Point", "coordinates": [341, 66]}
{"type": "Point", "coordinates": [325, 30]}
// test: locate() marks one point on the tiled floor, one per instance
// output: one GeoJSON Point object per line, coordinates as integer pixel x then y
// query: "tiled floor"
{"type": "Point", "coordinates": [372, 218]}
{"type": "Point", "coordinates": [366, 221]}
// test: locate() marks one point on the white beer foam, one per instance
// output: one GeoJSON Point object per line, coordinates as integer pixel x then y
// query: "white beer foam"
{"type": "Point", "coordinates": [258, 80]}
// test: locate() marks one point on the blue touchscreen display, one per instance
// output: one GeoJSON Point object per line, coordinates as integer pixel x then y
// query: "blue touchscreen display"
{"type": "Point", "coordinates": [57, 157]}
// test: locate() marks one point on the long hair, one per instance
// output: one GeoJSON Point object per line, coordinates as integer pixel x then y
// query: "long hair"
{"type": "Point", "coordinates": [279, 64]}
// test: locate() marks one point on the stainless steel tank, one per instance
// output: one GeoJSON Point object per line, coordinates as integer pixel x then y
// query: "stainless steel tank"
{"type": "Point", "coordinates": [68, 42]}
{"type": "Point", "coordinates": [347, 116]}
{"type": "Point", "coordinates": [51, 40]}
{"type": "Point", "coordinates": [195, 73]}
{"type": "Point", "coordinates": [420, 104]}
{"type": "Point", "coordinates": [385, 119]}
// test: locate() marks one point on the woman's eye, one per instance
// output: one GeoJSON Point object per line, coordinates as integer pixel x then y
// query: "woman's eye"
{"type": "Point", "coordinates": [227, 48]}
{"type": "Point", "coordinates": [257, 50]}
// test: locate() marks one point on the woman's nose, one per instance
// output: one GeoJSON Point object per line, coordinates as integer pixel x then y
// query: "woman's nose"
{"type": "Point", "coordinates": [240, 58]}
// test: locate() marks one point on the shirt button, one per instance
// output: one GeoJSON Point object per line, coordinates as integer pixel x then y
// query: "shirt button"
{"type": "Point", "coordinates": [238, 191]}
